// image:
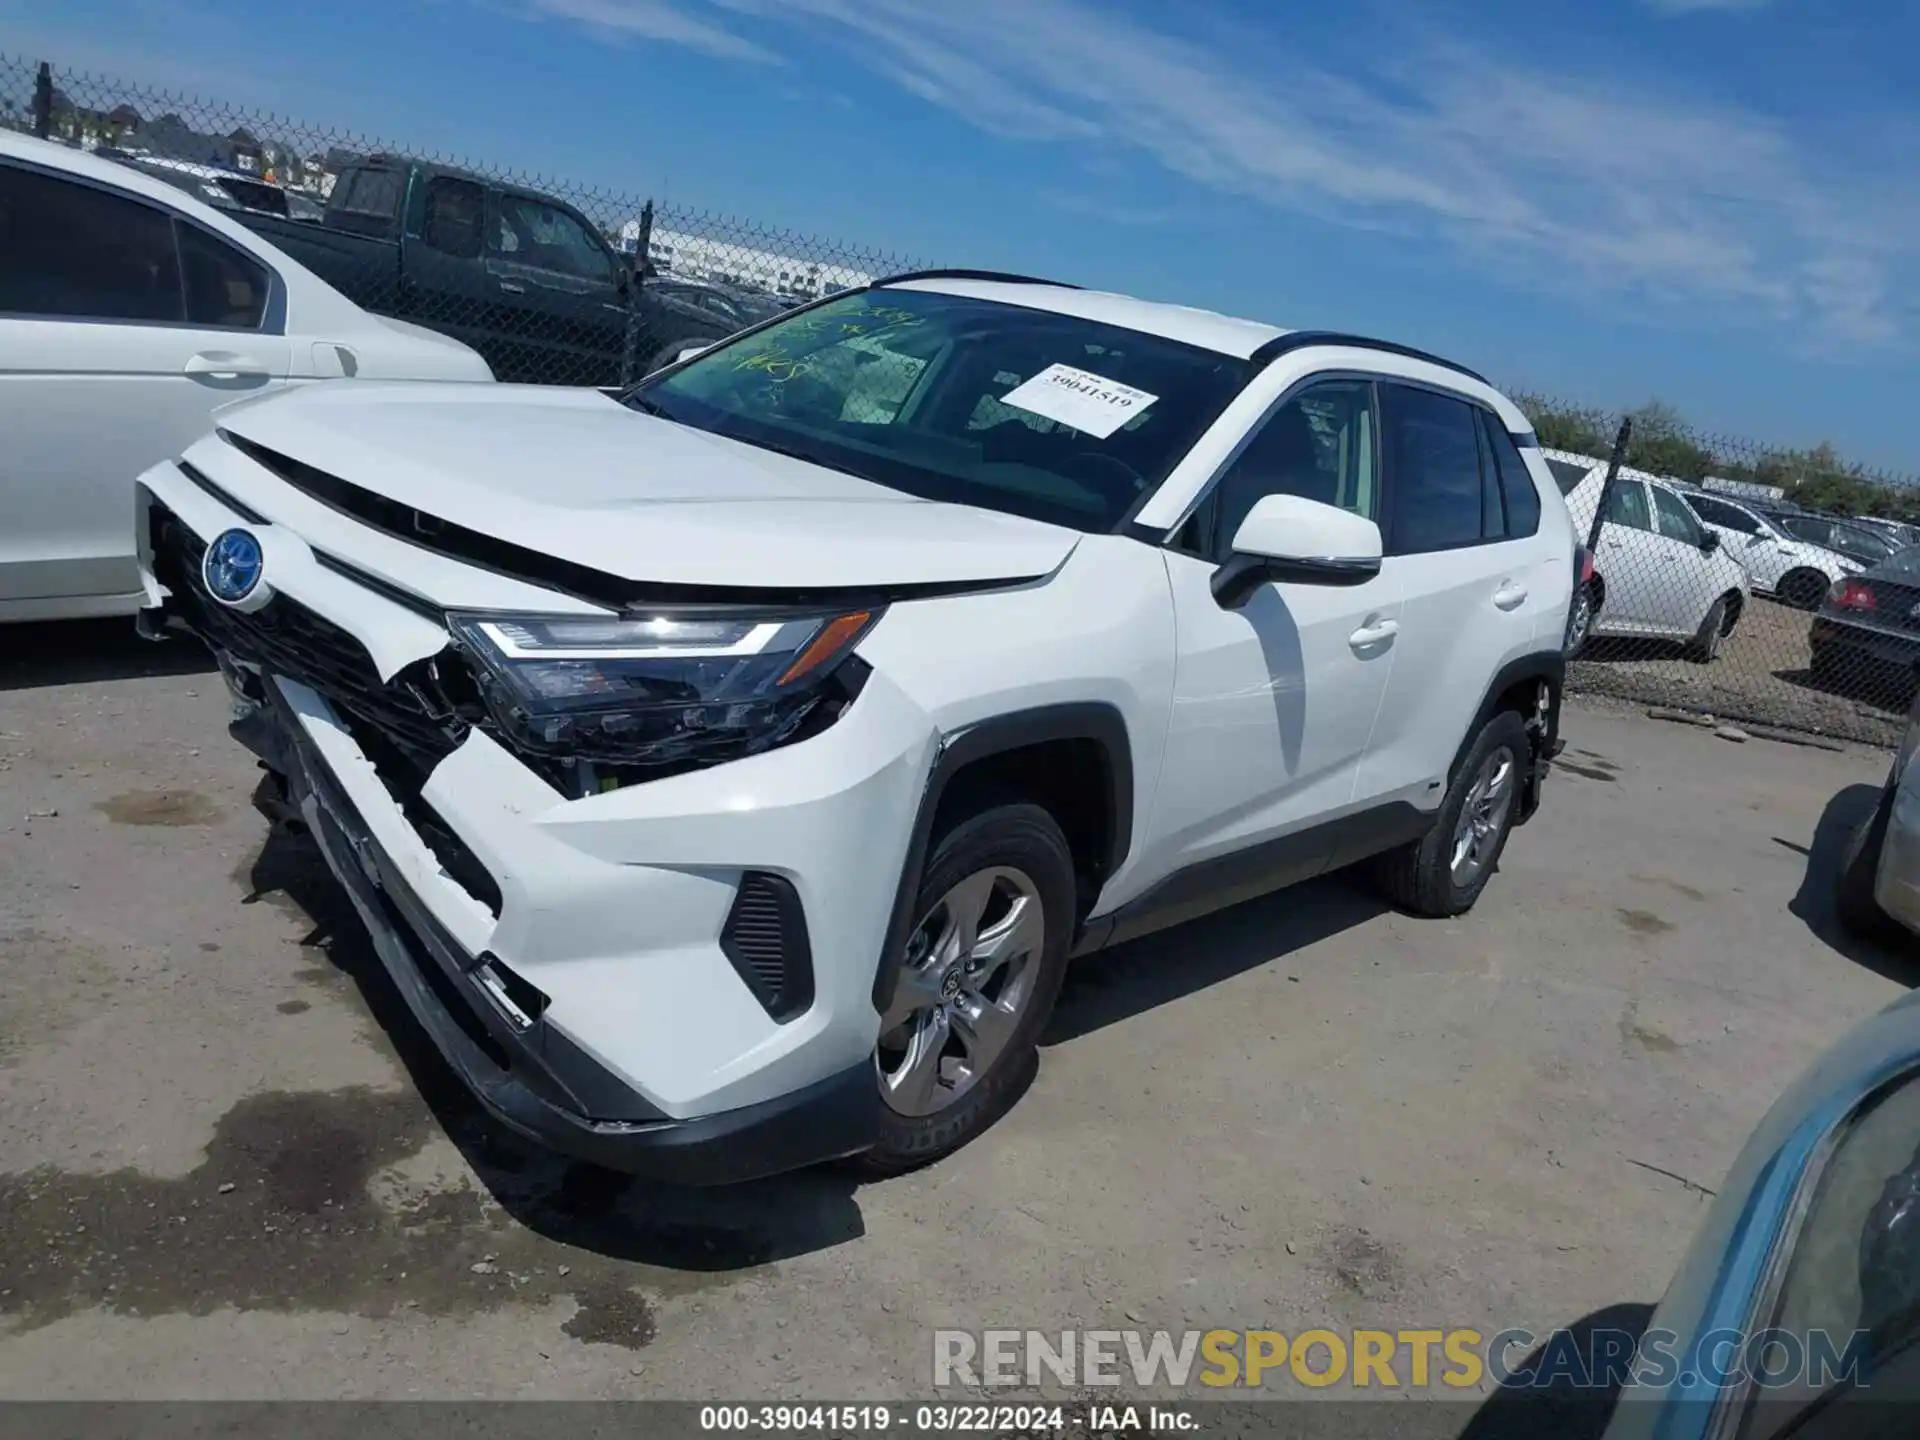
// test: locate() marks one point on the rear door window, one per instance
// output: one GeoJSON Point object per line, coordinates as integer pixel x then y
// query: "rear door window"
{"type": "Point", "coordinates": [1522, 501]}
{"type": "Point", "coordinates": [1568, 475]}
{"type": "Point", "coordinates": [226, 288]}
{"type": "Point", "coordinates": [1436, 491]}
{"type": "Point", "coordinates": [456, 216]}
{"type": "Point", "coordinates": [79, 252]}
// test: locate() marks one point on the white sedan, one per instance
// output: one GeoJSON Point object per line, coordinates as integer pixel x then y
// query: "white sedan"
{"type": "Point", "coordinates": [1793, 570]}
{"type": "Point", "coordinates": [1658, 572]}
{"type": "Point", "coordinates": [129, 313]}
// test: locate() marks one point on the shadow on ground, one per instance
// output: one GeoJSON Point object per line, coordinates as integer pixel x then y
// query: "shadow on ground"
{"type": "Point", "coordinates": [577, 1205]}
{"type": "Point", "coordinates": [80, 652]}
{"type": "Point", "coordinates": [1117, 984]}
{"type": "Point", "coordinates": [1568, 1386]}
{"type": "Point", "coordinates": [1813, 903]}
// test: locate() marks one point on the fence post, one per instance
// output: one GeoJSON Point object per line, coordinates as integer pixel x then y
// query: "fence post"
{"type": "Point", "coordinates": [1606, 486]}
{"type": "Point", "coordinates": [43, 100]}
{"type": "Point", "coordinates": [642, 243]}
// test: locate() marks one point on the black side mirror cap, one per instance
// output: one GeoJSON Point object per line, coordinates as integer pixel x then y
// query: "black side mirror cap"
{"type": "Point", "coordinates": [1236, 582]}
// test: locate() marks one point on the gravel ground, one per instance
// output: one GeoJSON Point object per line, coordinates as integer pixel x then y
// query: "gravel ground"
{"type": "Point", "coordinates": [230, 1168]}
{"type": "Point", "coordinates": [1761, 675]}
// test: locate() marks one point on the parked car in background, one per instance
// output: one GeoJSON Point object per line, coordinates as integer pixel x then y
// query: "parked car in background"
{"type": "Point", "coordinates": [1898, 531]}
{"type": "Point", "coordinates": [1861, 543]}
{"type": "Point", "coordinates": [726, 771]}
{"type": "Point", "coordinates": [1867, 630]}
{"type": "Point", "coordinates": [129, 313]}
{"type": "Point", "coordinates": [1794, 571]}
{"type": "Point", "coordinates": [522, 277]}
{"type": "Point", "coordinates": [706, 305]}
{"type": "Point", "coordinates": [1658, 572]}
{"type": "Point", "coordinates": [220, 186]}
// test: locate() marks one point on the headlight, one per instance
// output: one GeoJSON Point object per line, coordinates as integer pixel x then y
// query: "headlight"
{"type": "Point", "coordinates": [667, 689]}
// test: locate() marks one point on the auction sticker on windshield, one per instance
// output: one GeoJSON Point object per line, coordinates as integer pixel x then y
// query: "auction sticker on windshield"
{"type": "Point", "coordinates": [1089, 403]}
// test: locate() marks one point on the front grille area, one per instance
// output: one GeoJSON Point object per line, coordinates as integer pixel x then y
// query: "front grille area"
{"type": "Point", "coordinates": [765, 939]}
{"type": "Point", "coordinates": [284, 637]}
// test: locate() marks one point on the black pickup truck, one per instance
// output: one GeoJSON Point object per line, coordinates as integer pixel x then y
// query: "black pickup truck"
{"type": "Point", "coordinates": [523, 278]}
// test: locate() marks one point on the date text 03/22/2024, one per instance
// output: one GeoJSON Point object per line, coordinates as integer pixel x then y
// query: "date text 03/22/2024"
{"type": "Point", "coordinates": [981, 1419]}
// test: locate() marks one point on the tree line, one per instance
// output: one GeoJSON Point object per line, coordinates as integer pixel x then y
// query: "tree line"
{"type": "Point", "coordinates": [1663, 444]}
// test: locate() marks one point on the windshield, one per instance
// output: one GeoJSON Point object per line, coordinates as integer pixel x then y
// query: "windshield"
{"type": "Point", "coordinates": [960, 400]}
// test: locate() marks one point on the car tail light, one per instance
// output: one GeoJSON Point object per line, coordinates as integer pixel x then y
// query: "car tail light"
{"type": "Point", "coordinates": [1849, 594]}
{"type": "Point", "coordinates": [1582, 565]}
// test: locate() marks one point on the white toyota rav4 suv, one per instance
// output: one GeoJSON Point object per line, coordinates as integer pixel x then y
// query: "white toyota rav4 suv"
{"type": "Point", "coordinates": [727, 769]}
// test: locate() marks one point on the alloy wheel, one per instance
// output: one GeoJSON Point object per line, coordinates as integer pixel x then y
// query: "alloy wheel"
{"type": "Point", "coordinates": [1483, 816]}
{"type": "Point", "coordinates": [968, 974]}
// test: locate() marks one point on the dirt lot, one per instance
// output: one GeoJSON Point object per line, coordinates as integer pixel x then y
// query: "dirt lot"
{"type": "Point", "coordinates": [1761, 675]}
{"type": "Point", "coordinates": [228, 1167]}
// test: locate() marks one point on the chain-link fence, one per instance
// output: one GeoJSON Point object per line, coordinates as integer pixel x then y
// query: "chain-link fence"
{"type": "Point", "coordinates": [554, 283]}
{"type": "Point", "coordinates": [1750, 583]}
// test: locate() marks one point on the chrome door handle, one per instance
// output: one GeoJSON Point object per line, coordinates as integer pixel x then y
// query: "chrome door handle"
{"type": "Point", "coordinates": [1374, 633]}
{"type": "Point", "coordinates": [223, 364]}
{"type": "Point", "coordinates": [513, 287]}
{"type": "Point", "coordinates": [1510, 596]}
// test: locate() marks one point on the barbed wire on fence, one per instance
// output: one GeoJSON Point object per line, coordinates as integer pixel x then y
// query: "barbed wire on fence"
{"type": "Point", "coordinates": [1756, 583]}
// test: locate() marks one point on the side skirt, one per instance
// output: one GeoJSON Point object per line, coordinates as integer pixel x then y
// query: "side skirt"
{"type": "Point", "coordinates": [1226, 880]}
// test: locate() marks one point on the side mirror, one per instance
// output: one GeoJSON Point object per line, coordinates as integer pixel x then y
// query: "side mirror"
{"type": "Point", "coordinates": [1295, 541]}
{"type": "Point", "coordinates": [1709, 542]}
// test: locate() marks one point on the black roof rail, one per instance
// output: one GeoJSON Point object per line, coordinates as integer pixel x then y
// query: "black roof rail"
{"type": "Point", "coordinates": [999, 275]}
{"type": "Point", "coordinates": [1301, 339]}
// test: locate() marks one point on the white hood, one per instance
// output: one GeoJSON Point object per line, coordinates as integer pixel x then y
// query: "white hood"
{"type": "Point", "coordinates": [576, 475]}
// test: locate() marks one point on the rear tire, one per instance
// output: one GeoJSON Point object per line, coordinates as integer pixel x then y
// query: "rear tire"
{"type": "Point", "coordinates": [1854, 905]}
{"type": "Point", "coordinates": [1429, 876]}
{"type": "Point", "coordinates": [972, 1024]}
{"type": "Point", "coordinates": [1802, 589]}
{"type": "Point", "coordinates": [1706, 643]}
{"type": "Point", "coordinates": [1580, 621]}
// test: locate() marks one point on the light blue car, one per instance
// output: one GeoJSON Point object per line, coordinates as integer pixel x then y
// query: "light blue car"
{"type": "Point", "coordinates": [1797, 1310]}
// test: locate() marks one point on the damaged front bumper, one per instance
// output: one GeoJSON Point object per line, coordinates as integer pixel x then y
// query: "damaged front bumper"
{"type": "Point", "coordinates": [526, 1074]}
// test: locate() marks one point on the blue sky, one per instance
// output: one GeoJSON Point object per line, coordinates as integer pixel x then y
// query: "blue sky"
{"type": "Point", "coordinates": [1709, 201]}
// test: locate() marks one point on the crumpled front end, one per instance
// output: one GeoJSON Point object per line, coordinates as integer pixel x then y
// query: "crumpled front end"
{"type": "Point", "coordinates": [668, 974]}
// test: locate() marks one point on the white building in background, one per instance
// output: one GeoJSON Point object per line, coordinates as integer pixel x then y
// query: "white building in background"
{"type": "Point", "coordinates": [699, 257]}
{"type": "Point", "coordinates": [1745, 489]}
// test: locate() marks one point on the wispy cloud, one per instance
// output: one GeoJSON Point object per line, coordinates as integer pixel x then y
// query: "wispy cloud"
{"type": "Point", "coordinates": [1588, 179]}
{"type": "Point", "coordinates": [655, 20]}
{"type": "Point", "coordinates": [1689, 7]}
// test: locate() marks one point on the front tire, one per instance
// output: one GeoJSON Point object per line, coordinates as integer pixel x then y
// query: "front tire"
{"type": "Point", "coordinates": [993, 920]}
{"type": "Point", "coordinates": [1444, 873]}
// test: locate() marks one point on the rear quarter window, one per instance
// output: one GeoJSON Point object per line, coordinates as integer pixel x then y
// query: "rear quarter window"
{"type": "Point", "coordinates": [1568, 475]}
